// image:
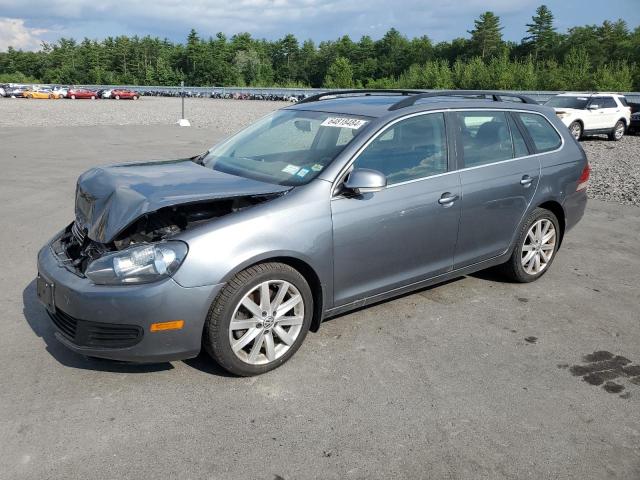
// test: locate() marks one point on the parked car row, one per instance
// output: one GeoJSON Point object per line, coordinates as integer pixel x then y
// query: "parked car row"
{"type": "Point", "coordinates": [66, 92]}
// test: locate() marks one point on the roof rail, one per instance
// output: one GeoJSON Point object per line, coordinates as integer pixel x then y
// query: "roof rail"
{"type": "Point", "coordinates": [496, 96]}
{"type": "Point", "coordinates": [361, 91]}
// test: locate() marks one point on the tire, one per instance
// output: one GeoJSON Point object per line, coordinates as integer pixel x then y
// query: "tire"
{"type": "Point", "coordinates": [134, 97]}
{"type": "Point", "coordinates": [93, 97]}
{"type": "Point", "coordinates": [117, 97]}
{"type": "Point", "coordinates": [618, 131]}
{"type": "Point", "coordinates": [219, 335]}
{"type": "Point", "coordinates": [576, 130]}
{"type": "Point", "coordinates": [516, 268]}
{"type": "Point", "coordinates": [73, 97]}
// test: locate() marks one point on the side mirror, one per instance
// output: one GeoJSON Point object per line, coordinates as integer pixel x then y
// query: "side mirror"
{"type": "Point", "coordinates": [594, 106]}
{"type": "Point", "coordinates": [364, 180]}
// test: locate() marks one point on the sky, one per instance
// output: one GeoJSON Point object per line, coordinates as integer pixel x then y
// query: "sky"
{"type": "Point", "coordinates": [24, 24]}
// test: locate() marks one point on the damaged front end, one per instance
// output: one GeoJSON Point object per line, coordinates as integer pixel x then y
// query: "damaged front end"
{"type": "Point", "coordinates": [128, 214]}
{"type": "Point", "coordinates": [76, 251]}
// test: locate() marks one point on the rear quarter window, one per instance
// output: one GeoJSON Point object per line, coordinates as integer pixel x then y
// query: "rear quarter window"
{"type": "Point", "coordinates": [544, 136]}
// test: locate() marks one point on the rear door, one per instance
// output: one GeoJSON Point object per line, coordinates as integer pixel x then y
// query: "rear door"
{"type": "Point", "coordinates": [610, 112]}
{"type": "Point", "coordinates": [498, 179]}
{"type": "Point", "coordinates": [407, 231]}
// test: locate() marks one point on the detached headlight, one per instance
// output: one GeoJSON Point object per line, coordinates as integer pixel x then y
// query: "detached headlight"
{"type": "Point", "coordinates": [139, 264]}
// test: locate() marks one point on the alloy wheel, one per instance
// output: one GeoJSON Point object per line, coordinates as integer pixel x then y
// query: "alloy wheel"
{"type": "Point", "coordinates": [576, 131]}
{"type": "Point", "coordinates": [539, 246]}
{"type": "Point", "coordinates": [619, 132]}
{"type": "Point", "coordinates": [266, 322]}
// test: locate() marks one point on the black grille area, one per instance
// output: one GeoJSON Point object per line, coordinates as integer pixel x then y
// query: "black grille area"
{"type": "Point", "coordinates": [96, 334]}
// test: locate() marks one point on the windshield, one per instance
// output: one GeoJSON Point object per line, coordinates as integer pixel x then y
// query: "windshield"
{"type": "Point", "coordinates": [288, 147]}
{"type": "Point", "coordinates": [579, 103]}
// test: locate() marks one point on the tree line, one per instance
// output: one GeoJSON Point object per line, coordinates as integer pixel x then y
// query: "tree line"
{"type": "Point", "coordinates": [590, 57]}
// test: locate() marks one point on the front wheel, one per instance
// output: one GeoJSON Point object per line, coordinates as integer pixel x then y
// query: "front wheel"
{"type": "Point", "coordinates": [117, 97]}
{"type": "Point", "coordinates": [618, 131]}
{"type": "Point", "coordinates": [73, 97]}
{"type": "Point", "coordinates": [576, 130]}
{"type": "Point", "coordinates": [259, 319]}
{"type": "Point", "coordinates": [535, 248]}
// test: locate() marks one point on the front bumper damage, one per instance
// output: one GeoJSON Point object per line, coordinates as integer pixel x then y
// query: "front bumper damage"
{"type": "Point", "coordinates": [114, 321]}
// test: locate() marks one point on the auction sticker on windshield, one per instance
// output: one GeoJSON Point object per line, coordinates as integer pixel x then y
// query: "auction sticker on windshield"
{"type": "Point", "coordinates": [342, 122]}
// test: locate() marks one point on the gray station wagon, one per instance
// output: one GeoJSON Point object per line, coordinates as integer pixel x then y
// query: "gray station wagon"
{"type": "Point", "coordinates": [339, 201]}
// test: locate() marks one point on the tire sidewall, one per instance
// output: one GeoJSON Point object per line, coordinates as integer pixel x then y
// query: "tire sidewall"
{"type": "Point", "coordinates": [615, 129]}
{"type": "Point", "coordinates": [516, 259]}
{"type": "Point", "coordinates": [216, 338]}
{"type": "Point", "coordinates": [576, 123]}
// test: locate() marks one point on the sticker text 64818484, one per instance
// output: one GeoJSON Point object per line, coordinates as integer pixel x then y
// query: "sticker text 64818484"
{"type": "Point", "coordinates": [343, 122]}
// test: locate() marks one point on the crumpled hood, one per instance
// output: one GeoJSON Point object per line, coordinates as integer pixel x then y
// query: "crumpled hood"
{"type": "Point", "coordinates": [109, 199]}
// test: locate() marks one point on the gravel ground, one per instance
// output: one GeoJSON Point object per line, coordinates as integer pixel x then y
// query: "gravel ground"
{"type": "Point", "coordinates": [615, 173]}
{"type": "Point", "coordinates": [615, 169]}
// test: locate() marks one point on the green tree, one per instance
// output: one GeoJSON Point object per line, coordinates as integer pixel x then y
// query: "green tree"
{"type": "Point", "coordinates": [542, 34]}
{"type": "Point", "coordinates": [339, 74]}
{"type": "Point", "coordinates": [486, 37]}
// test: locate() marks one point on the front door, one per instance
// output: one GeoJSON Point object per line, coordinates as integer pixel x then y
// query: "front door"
{"type": "Point", "coordinates": [407, 231]}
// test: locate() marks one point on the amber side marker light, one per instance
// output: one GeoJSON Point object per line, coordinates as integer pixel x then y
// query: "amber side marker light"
{"type": "Point", "coordinates": [162, 326]}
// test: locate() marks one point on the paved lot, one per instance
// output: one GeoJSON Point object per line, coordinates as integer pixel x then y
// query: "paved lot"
{"type": "Point", "coordinates": [472, 379]}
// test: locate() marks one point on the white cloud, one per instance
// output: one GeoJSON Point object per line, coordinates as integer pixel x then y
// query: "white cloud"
{"type": "Point", "coordinates": [317, 19]}
{"type": "Point", "coordinates": [14, 33]}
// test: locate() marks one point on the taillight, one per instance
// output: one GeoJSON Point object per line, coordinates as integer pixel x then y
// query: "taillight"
{"type": "Point", "coordinates": [583, 181]}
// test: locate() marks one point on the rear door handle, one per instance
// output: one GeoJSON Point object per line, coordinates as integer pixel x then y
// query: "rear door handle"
{"type": "Point", "coordinates": [526, 181]}
{"type": "Point", "coordinates": [447, 199]}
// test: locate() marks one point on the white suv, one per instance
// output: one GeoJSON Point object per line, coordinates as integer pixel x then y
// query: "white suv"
{"type": "Point", "coordinates": [593, 113]}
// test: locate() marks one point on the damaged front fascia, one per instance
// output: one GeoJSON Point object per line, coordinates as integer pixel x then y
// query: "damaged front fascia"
{"type": "Point", "coordinates": [111, 200]}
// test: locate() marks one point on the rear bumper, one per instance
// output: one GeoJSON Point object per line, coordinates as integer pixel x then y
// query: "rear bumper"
{"type": "Point", "coordinates": [102, 321]}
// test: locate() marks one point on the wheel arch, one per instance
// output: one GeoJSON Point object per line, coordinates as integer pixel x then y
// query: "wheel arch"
{"type": "Point", "coordinates": [305, 269]}
{"type": "Point", "coordinates": [557, 209]}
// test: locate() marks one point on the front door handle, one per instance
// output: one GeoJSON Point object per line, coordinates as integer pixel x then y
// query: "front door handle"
{"type": "Point", "coordinates": [447, 199]}
{"type": "Point", "coordinates": [526, 181]}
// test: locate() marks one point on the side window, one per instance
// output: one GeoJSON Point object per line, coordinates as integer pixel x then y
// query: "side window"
{"type": "Point", "coordinates": [519, 145]}
{"type": "Point", "coordinates": [410, 149]}
{"type": "Point", "coordinates": [607, 102]}
{"type": "Point", "coordinates": [544, 136]}
{"type": "Point", "coordinates": [485, 137]}
{"type": "Point", "coordinates": [623, 101]}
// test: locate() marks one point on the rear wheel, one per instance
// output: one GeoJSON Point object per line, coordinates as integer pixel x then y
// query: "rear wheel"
{"type": "Point", "coordinates": [259, 319]}
{"type": "Point", "coordinates": [134, 97]}
{"type": "Point", "coordinates": [535, 248]}
{"type": "Point", "coordinates": [93, 97]}
{"type": "Point", "coordinates": [576, 130]}
{"type": "Point", "coordinates": [618, 131]}
{"type": "Point", "coordinates": [117, 97]}
{"type": "Point", "coordinates": [73, 97]}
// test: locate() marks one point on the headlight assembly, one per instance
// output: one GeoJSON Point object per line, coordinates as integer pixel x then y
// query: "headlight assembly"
{"type": "Point", "coordinates": [140, 264]}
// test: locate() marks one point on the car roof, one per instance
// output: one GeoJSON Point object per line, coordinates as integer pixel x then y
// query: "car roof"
{"type": "Point", "coordinates": [379, 105]}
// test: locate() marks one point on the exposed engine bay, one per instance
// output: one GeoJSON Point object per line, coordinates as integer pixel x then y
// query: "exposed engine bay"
{"type": "Point", "coordinates": [76, 250]}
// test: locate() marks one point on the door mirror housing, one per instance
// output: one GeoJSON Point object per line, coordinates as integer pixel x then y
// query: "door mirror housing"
{"type": "Point", "coordinates": [364, 180]}
{"type": "Point", "coordinates": [594, 106]}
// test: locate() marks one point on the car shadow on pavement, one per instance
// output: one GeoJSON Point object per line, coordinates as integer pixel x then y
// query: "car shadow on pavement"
{"type": "Point", "coordinates": [40, 323]}
{"type": "Point", "coordinates": [206, 364]}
